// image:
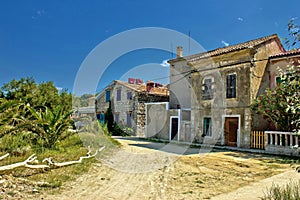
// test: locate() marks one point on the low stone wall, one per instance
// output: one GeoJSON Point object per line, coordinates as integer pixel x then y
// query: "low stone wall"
{"type": "Point", "coordinates": [282, 143]}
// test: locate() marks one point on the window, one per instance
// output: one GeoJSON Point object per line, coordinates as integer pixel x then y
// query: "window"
{"type": "Point", "coordinates": [119, 95]}
{"type": "Point", "coordinates": [231, 86]}
{"type": "Point", "coordinates": [207, 89]}
{"type": "Point", "coordinates": [117, 117]}
{"type": "Point", "coordinates": [102, 118]}
{"type": "Point", "coordinates": [129, 119]}
{"type": "Point", "coordinates": [278, 80]}
{"type": "Point", "coordinates": [107, 96]}
{"type": "Point", "coordinates": [207, 126]}
{"type": "Point", "coordinates": [129, 95]}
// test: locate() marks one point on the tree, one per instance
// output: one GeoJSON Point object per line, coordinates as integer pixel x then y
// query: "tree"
{"type": "Point", "coordinates": [282, 105]}
{"type": "Point", "coordinates": [9, 112]}
{"type": "Point", "coordinates": [294, 34]}
{"type": "Point", "coordinates": [27, 91]}
{"type": "Point", "coordinates": [48, 126]}
{"type": "Point", "coordinates": [109, 118]}
{"type": "Point", "coordinates": [36, 108]}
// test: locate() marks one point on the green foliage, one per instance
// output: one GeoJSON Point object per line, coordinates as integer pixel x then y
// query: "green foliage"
{"type": "Point", "coordinates": [294, 34]}
{"type": "Point", "coordinates": [67, 150]}
{"type": "Point", "coordinates": [282, 105]}
{"type": "Point", "coordinates": [82, 101]}
{"type": "Point", "coordinates": [18, 144]}
{"type": "Point", "coordinates": [9, 111]}
{"type": "Point", "coordinates": [291, 191]}
{"type": "Point", "coordinates": [38, 108]}
{"type": "Point", "coordinates": [27, 91]}
{"type": "Point", "coordinates": [48, 126]}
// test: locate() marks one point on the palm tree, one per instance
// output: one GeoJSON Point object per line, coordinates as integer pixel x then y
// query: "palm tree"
{"type": "Point", "coordinates": [48, 125]}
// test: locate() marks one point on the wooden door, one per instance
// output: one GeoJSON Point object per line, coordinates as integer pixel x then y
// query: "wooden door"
{"type": "Point", "coordinates": [230, 129]}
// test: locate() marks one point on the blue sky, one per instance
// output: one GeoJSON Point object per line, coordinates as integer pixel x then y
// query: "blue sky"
{"type": "Point", "coordinates": [49, 40]}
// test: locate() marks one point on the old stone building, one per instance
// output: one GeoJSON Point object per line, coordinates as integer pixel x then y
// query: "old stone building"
{"type": "Point", "coordinates": [128, 102]}
{"type": "Point", "coordinates": [211, 93]}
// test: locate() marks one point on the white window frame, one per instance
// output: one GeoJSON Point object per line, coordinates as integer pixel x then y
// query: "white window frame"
{"type": "Point", "coordinates": [236, 85]}
{"type": "Point", "coordinates": [212, 87]}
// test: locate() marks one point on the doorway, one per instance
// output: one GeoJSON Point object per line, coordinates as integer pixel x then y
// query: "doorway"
{"type": "Point", "coordinates": [174, 127]}
{"type": "Point", "coordinates": [231, 126]}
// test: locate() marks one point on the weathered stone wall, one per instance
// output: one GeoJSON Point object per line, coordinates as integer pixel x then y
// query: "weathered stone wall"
{"type": "Point", "coordinates": [101, 104]}
{"type": "Point", "coordinates": [135, 106]}
{"type": "Point", "coordinates": [180, 85]}
{"type": "Point", "coordinates": [249, 83]}
{"type": "Point", "coordinates": [262, 77]}
{"type": "Point", "coordinates": [123, 106]}
{"type": "Point", "coordinates": [158, 120]}
{"type": "Point", "coordinates": [259, 68]}
{"type": "Point", "coordinates": [219, 106]}
{"type": "Point", "coordinates": [139, 114]}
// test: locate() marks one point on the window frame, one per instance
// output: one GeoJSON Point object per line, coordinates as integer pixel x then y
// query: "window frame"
{"type": "Point", "coordinates": [128, 116]}
{"type": "Point", "coordinates": [107, 97]}
{"type": "Point", "coordinates": [208, 91]}
{"type": "Point", "coordinates": [118, 95]}
{"type": "Point", "coordinates": [129, 95]}
{"type": "Point", "coordinates": [207, 120]}
{"type": "Point", "coordinates": [232, 87]}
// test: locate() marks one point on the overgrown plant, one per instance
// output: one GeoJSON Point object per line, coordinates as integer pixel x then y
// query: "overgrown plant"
{"type": "Point", "coordinates": [282, 105]}
{"type": "Point", "coordinates": [290, 191]}
{"type": "Point", "coordinates": [48, 126]}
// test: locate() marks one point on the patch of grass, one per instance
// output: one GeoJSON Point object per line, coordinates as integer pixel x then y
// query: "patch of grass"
{"type": "Point", "coordinates": [291, 191]}
{"type": "Point", "coordinates": [67, 150]}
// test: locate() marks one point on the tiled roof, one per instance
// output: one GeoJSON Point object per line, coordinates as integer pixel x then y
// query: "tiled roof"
{"type": "Point", "coordinates": [134, 87]}
{"type": "Point", "coordinates": [228, 49]}
{"type": "Point", "coordinates": [142, 88]}
{"type": "Point", "coordinates": [287, 53]}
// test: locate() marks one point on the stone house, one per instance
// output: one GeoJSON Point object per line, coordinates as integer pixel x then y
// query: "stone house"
{"type": "Point", "coordinates": [211, 93]}
{"type": "Point", "coordinates": [86, 111]}
{"type": "Point", "coordinates": [128, 102]}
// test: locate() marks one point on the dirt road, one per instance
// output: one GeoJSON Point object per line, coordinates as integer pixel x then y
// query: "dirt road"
{"type": "Point", "coordinates": [147, 170]}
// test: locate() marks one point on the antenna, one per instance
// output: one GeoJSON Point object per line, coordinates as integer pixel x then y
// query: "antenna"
{"type": "Point", "coordinates": [172, 54]}
{"type": "Point", "coordinates": [189, 42]}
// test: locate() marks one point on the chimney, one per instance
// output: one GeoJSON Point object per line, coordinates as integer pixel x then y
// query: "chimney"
{"type": "Point", "coordinates": [131, 80]}
{"type": "Point", "coordinates": [149, 85]}
{"type": "Point", "coordinates": [179, 52]}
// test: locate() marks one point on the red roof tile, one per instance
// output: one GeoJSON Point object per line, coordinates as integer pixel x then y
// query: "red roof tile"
{"type": "Point", "coordinates": [287, 53]}
{"type": "Point", "coordinates": [228, 49]}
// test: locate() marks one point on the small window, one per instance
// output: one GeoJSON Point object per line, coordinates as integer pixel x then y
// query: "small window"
{"type": "Point", "coordinates": [129, 95]}
{"type": "Point", "coordinates": [207, 89]}
{"type": "Point", "coordinates": [102, 118]}
{"type": "Point", "coordinates": [117, 115]}
{"type": "Point", "coordinates": [231, 86]}
{"type": "Point", "coordinates": [107, 99]}
{"type": "Point", "coordinates": [278, 80]}
{"type": "Point", "coordinates": [207, 127]}
{"type": "Point", "coordinates": [119, 95]}
{"type": "Point", "coordinates": [129, 119]}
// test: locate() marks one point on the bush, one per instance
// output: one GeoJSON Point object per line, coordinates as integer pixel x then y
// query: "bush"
{"type": "Point", "coordinates": [17, 145]}
{"type": "Point", "coordinates": [291, 191]}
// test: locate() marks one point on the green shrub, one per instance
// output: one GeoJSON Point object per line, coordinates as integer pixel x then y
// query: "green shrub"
{"type": "Point", "coordinates": [18, 144]}
{"type": "Point", "coordinates": [290, 191]}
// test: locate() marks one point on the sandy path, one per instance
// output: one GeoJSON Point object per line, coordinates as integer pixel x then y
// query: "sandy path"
{"type": "Point", "coordinates": [133, 173]}
{"type": "Point", "coordinates": [147, 170]}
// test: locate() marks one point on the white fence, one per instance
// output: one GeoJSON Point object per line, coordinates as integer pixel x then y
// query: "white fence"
{"type": "Point", "coordinates": [284, 143]}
